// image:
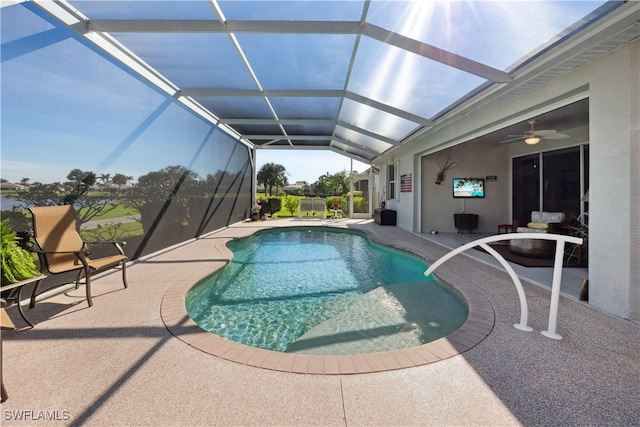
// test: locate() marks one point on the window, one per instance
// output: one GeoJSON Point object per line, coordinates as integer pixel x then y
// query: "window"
{"type": "Point", "coordinates": [392, 181]}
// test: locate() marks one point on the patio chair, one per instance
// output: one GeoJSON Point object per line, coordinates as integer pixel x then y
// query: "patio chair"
{"type": "Point", "coordinates": [61, 249]}
{"type": "Point", "coordinates": [312, 206]}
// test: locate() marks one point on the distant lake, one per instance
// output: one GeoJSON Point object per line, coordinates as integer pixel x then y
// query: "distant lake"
{"type": "Point", "coordinates": [7, 203]}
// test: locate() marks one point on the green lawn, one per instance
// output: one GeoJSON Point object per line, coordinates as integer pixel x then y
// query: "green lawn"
{"type": "Point", "coordinates": [119, 211]}
{"type": "Point", "coordinates": [114, 232]}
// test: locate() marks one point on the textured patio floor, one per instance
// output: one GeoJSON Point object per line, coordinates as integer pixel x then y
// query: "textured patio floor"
{"type": "Point", "coordinates": [117, 364]}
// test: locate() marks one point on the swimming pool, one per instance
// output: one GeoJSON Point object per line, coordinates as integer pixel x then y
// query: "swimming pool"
{"type": "Point", "coordinates": [323, 291]}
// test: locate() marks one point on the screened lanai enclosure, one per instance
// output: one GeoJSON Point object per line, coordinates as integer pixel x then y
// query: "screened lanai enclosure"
{"type": "Point", "coordinates": [160, 106]}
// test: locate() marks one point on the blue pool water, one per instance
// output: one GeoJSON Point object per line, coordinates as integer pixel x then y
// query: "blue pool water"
{"type": "Point", "coordinates": [315, 285]}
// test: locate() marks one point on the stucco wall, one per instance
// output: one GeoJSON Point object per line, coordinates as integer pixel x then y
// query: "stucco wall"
{"type": "Point", "coordinates": [404, 201]}
{"type": "Point", "coordinates": [471, 161]}
{"type": "Point", "coordinates": [614, 216]}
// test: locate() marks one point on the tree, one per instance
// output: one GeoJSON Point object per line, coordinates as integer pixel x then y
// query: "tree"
{"type": "Point", "coordinates": [306, 189]}
{"type": "Point", "coordinates": [352, 178]}
{"type": "Point", "coordinates": [172, 185]}
{"type": "Point", "coordinates": [338, 183]}
{"type": "Point", "coordinates": [105, 178]}
{"type": "Point", "coordinates": [221, 182]}
{"type": "Point", "coordinates": [54, 194]}
{"type": "Point", "coordinates": [292, 203]}
{"type": "Point", "coordinates": [272, 175]}
{"type": "Point", "coordinates": [39, 194]}
{"type": "Point", "coordinates": [322, 184]}
{"type": "Point", "coordinates": [282, 178]}
{"type": "Point", "coordinates": [24, 181]}
{"type": "Point", "coordinates": [119, 180]}
{"type": "Point", "coordinates": [74, 192]}
{"type": "Point", "coordinates": [214, 180]}
{"type": "Point", "coordinates": [164, 184]}
{"type": "Point", "coordinates": [78, 177]}
{"type": "Point", "coordinates": [87, 207]}
{"type": "Point", "coordinates": [81, 182]}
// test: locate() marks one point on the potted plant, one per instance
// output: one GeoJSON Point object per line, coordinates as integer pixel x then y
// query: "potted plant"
{"type": "Point", "coordinates": [255, 212]}
{"type": "Point", "coordinates": [17, 263]}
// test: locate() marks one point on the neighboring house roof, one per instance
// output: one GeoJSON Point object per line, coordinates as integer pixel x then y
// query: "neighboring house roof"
{"type": "Point", "coordinates": [6, 185]}
{"type": "Point", "coordinates": [293, 187]}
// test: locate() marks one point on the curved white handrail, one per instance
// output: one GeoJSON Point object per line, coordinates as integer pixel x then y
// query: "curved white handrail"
{"type": "Point", "coordinates": [557, 272]}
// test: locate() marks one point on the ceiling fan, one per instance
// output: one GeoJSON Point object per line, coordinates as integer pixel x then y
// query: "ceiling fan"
{"type": "Point", "coordinates": [533, 136]}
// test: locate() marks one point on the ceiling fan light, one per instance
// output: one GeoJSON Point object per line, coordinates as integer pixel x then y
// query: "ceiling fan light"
{"type": "Point", "coordinates": [532, 140]}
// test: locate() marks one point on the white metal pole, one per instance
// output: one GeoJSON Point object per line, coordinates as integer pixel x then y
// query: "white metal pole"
{"type": "Point", "coordinates": [351, 188]}
{"type": "Point", "coordinates": [555, 292]}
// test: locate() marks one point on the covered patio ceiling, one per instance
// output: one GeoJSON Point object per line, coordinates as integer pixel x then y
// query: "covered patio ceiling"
{"type": "Point", "coordinates": [358, 77]}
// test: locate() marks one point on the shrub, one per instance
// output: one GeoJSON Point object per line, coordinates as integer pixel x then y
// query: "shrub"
{"type": "Point", "coordinates": [337, 202]}
{"type": "Point", "coordinates": [292, 204]}
{"type": "Point", "coordinates": [271, 205]}
{"type": "Point", "coordinates": [360, 204]}
{"type": "Point", "coordinates": [19, 222]}
{"type": "Point", "coordinates": [17, 264]}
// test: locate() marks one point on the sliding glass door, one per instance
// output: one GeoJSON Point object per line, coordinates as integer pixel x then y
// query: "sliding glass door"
{"type": "Point", "coordinates": [553, 181]}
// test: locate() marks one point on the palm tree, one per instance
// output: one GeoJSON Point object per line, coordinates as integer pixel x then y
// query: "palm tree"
{"type": "Point", "coordinates": [281, 177]}
{"type": "Point", "coordinates": [271, 175]}
{"type": "Point", "coordinates": [120, 180]}
{"type": "Point", "coordinates": [105, 178]}
{"type": "Point", "coordinates": [338, 182]}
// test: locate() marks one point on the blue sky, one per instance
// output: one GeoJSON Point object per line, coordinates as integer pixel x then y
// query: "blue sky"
{"type": "Point", "coordinates": [80, 113]}
{"type": "Point", "coordinates": [85, 111]}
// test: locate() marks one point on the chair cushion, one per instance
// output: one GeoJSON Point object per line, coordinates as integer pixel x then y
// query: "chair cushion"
{"type": "Point", "coordinates": [547, 217]}
{"type": "Point", "coordinates": [530, 230]}
{"type": "Point", "coordinates": [538, 225]}
{"type": "Point", "coordinates": [108, 260]}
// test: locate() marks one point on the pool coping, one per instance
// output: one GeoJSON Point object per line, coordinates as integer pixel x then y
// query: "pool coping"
{"type": "Point", "coordinates": [476, 328]}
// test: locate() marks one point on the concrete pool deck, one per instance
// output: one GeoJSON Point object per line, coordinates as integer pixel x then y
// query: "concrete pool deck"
{"type": "Point", "coordinates": [117, 363]}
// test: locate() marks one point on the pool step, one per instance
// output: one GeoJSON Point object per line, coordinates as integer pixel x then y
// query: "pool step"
{"type": "Point", "coordinates": [386, 318]}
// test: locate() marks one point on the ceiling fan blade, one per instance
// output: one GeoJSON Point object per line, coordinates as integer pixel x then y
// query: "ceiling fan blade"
{"type": "Point", "coordinates": [545, 132]}
{"type": "Point", "coordinates": [556, 136]}
{"type": "Point", "coordinates": [516, 138]}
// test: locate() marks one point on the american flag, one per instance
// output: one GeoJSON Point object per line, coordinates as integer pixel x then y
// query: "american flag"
{"type": "Point", "coordinates": [405, 183]}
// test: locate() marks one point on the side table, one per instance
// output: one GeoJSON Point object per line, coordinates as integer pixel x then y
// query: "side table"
{"type": "Point", "coordinates": [15, 293]}
{"type": "Point", "coordinates": [467, 222]}
{"type": "Point", "coordinates": [508, 228]}
{"type": "Point", "coordinates": [14, 296]}
{"type": "Point", "coordinates": [5, 324]}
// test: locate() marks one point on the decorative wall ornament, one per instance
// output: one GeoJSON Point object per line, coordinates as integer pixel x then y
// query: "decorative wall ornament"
{"type": "Point", "coordinates": [443, 169]}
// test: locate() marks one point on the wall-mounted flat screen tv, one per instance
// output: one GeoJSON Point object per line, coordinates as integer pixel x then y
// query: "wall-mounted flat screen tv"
{"type": "Point", "coordinates": [468, 187]}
